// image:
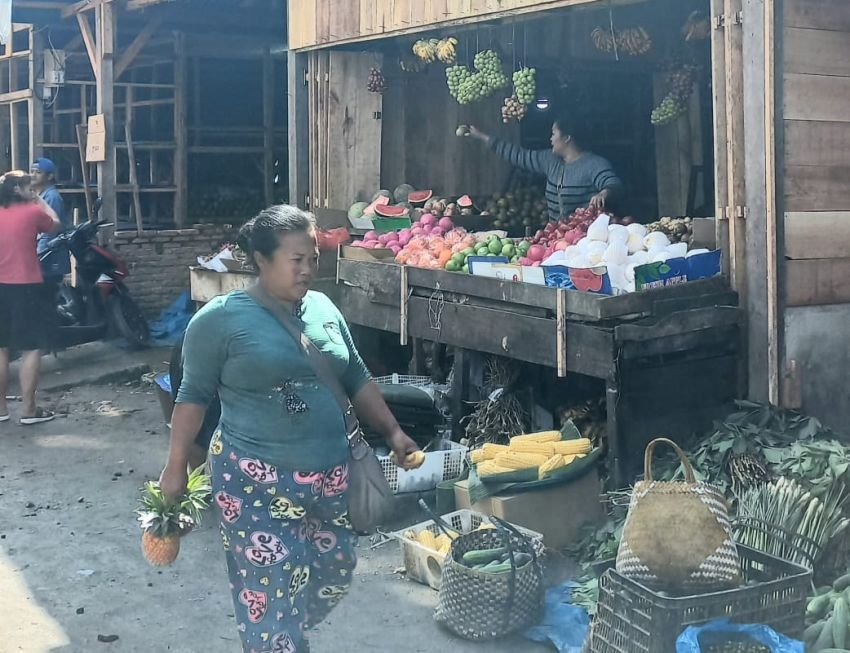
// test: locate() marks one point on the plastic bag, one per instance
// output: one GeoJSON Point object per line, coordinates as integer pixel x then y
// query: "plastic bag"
{"type": "Point", "coordinates": [332, 238]}
{"type": "Point", "coordinates": [563, 624]}
{"type": "Point", "coordinates": [689, 641]}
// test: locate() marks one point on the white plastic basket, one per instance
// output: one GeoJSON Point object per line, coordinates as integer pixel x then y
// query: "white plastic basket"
{"type": "Point", "coordinates": [439, 466]}
{"type": "Point", "coordinates": [426, 566]}
{"type": "Point", "coordinates": [404, 379]}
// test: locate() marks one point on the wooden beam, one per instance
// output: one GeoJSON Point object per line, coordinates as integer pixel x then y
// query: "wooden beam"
{"type": "Point", "coordinates": [81, 6]}
{"type": "Point", "coordinates": [40, 4]}
{"type": "Point", "coordinates": [299, 151]}
{"type": "Point", "coordinates": [90, 43]}
{"type": "Point", "coordinates": [16, 96]}
{"type": "Point", "coordinates": [813, 235]}
{"type": "Point", "coordinates": [82, 137]}
{"type": "Point", "coordinates": [817, 281]}
{"type": "Point", "coordinates": [268, 128]}
{"type": "Point", "coordinates": [181, 132]}
{"type": "Point", "coordinates": [106, 169]}
{"type": "Point", "coordinates": [137, 46]}
{"type": "Point", "coordinates": [35, 108]}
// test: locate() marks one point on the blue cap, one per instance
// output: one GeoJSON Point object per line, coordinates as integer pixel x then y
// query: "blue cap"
{"type": "Point", "coordinates": [44, 165]}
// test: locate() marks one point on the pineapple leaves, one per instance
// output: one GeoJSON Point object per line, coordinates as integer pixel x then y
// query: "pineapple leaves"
{"type": "Point", "coordinates": [162, 515]}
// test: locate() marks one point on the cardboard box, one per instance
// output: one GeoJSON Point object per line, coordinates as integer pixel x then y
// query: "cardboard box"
{"type": "Point", "coordinates": [558, 512]}
{"type": "Point", "coordinates": [96, 139]}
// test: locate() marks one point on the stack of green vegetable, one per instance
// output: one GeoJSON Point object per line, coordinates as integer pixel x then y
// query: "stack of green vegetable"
{"type": "Point", "coordinates": [495, 561]}
{"type": "Point", "coordinates": [829, 611]}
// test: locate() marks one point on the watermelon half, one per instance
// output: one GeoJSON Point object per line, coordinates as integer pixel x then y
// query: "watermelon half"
{"type": "Point", "coordinates": [380, 200]}
{"type": "Point", "coordinates": [419, 197]}
{"type": "Point", "coordinates": [390, 211]}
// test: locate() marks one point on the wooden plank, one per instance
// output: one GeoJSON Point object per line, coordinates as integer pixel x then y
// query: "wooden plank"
{"type": "Point", "coordinates": [134, 177]}
{"type": "Point", "coordinates": [298, 122]}
{"type": "Point", "coordinates": [816, 188]}
{"type": "Point", "coordinates": [89, 41]}
{"type": "Point", "coordinates": [35, 110]}
{"type": "Point", "coordinates": [736, 150]}
{"type": "Point", "coordinates": [817, 281]}
{"type": "Point", "coordinates": [817, 14]}
{"type": "Point", "coordinates": [268, 128]}
{"type": "Point", "coordinates": [354, 132]}
{"type": "Point", "coordinates": [817, 143]}
{"type": "Point", "coordinates": [816, 52]}
{"type": "Point", "coordinates": [381, 281]}
{"type": "Point", "coordinates": [129, 55]}
{"type": "Point", "coordinates": [670, 326]}
{"type": "Point", "coordinates": [81, 6]}
{"type": "Point", "coordinates": [358, 308]}
{"type": "Point", "coordinates": [106, 182]}
{"type": "Point", "coordinates": [813, 235]}
{"type": "Point", "coordinates": [772, 230]}
{"type": "Point", "coordinates": [82, 131]}
{"type": "Point", "coordinates": [13, 136]}
{"type": "Point", "coordinates": [524, 338]}
{"type": "Point", "coordinates": [816, 97]}
{"type": "Point", "coordinates": [181, 131]}
{"type": "Point", "coordinates": [16, 96]}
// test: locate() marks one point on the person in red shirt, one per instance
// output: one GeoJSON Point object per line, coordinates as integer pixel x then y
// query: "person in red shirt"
{"type": "Point", "coordinates": [23, 297]}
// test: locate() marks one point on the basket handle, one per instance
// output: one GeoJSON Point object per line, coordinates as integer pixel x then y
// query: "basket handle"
{"type": "Point", "coordinates": [650, 449]}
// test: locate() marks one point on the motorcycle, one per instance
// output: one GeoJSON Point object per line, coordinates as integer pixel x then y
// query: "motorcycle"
{"type": "Point", "coordinates": [99, 305]}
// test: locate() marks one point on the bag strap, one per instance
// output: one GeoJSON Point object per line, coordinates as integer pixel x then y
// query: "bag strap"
{"type": "Point", "coordinates": [647, 459]}
{"type": "Point", "coordinates": [315, 357]}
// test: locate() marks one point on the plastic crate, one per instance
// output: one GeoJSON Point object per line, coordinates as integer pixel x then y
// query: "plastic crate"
{"type": "Point", "coordinates": [439, 466]}
{"type": "Point", "coordinates": [631, 618]}
{"type": "Point", "coordinates": [404, 379]}
{"type": "Point", "coordinates": [426, 566]}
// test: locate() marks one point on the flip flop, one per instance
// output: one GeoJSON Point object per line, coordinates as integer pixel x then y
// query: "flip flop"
{"type": "Point", "coordinates": [4, 418]}
{"type": "Point", "coordinates": [41, 416]}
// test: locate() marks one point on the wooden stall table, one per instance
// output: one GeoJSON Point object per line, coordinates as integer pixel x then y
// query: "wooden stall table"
{"type": "Point", "coordinates": [669, 357]}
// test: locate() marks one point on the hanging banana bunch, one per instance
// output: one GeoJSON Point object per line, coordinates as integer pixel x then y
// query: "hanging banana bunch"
{"type": "Point", "coordinates": [447, 51]}
{"type": "Point", "coordinates": [426, 49]}
{"type": "Point", "coordinates": [633, 41]}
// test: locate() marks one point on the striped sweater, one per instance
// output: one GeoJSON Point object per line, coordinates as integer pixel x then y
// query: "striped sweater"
{"type": "Point", "coordinates": [568, 185]}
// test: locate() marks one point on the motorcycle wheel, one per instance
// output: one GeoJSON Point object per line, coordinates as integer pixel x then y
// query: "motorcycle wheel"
{"type": "Point", "coordinates": [128, 320]}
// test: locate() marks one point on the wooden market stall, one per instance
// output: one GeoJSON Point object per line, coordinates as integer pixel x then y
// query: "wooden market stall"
{"type": "Point", "coordinates": [666, 360]}
{"type": "Point", "coordinates": [191, 100]}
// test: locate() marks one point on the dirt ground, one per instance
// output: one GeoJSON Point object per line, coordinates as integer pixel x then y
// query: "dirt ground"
{"type": "Point", "coordinates": [71, 568]}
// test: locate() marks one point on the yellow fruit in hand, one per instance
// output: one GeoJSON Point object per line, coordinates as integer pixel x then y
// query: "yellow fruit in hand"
{"type": "Point", "coordinates": [413, 460]}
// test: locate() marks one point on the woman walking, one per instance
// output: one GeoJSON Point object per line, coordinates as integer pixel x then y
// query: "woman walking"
{"type": "Point", "coordinates": [24, 300]}
{"type": "Point", "coordinates": [279, 458]}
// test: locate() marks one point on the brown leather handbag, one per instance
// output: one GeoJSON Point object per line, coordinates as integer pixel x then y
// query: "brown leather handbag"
{"type": "Point", "coordinates": [370, 498]}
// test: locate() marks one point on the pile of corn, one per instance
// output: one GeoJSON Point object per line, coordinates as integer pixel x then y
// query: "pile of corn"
{"type": "Point", "coordinates": [543, 451]}
{"type": "Point", "coordinates": [440, 544]}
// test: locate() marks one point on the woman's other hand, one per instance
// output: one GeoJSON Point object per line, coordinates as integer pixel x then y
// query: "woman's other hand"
{"type": "Point", "coordinates": [402, 445]}
{"type": "Point", "coordinates": [173, 480]}
{"type": "Point", "coordinates": [599, 200]}
{"type": "Point", "coordinates": [476, 133]}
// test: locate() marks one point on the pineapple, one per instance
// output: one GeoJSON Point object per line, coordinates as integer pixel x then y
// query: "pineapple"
{"type": "Point", "coordinates": [165, 520]}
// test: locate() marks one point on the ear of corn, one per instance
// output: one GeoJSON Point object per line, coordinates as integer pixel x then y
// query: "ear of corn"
{"type": "Point", "coordinates": [426, 538]}
{"type": "Point", "coordinates": [487, 452]}
{"type": "Point", "coordinates": [555, 462]}
{"type": "Point", "coordinates": [572, 447]}
{"type": "Point", "coordinates": [491, 468]}
{"type": "Point", "coordinates": [444, 544]}
{"type": "Point", "coordinates": [542, 436]}
{"type": "Point", "coordinates": [515, 460]}
{"type": "Point", "coordinates": [541, 448]}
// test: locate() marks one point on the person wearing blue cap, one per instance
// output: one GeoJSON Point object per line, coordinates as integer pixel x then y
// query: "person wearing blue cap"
{"type": "Point", "coordinates": [58, 264]}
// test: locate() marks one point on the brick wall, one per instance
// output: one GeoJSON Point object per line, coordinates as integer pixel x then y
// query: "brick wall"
{"type": "Point", "coordinates": [159, 260]}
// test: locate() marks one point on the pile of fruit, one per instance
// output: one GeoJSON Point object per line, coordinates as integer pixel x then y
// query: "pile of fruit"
{"type": "Point", "coordinates": [829, 610]}
{"type": "Point", "coordinates": [435, 541]}
{"type": "Point", "coordinates": [495, 561]}
{"type": "Point", "coordinates": [678, 230]}
{"type": "Point", "coordinates": [536, 456]}
{"type": "Point", "coordinates": [681, 83]}
{"type": "Point", "coordinates": [517, 210]}
{"type": "Point", "coordinates": [376, 83]}
{"type": "Point", "coordinates": [633, 41]}
{"type": "Point", "coordinates": [525, 91]}
{"type": "Point", "coordinates": [467, 86]}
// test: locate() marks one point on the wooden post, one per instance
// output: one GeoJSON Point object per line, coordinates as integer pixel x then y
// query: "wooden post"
{"type": "Point", "coordinates": [131, 159]}
{"type": "Point", "coordinates": [76, 221]}
{"type": "Point", "coordinates": [718, 85]}
{"type": "Point", "coordinates": [181, 133]}
{"type": "Point", "coordinates": [106, 170]}
{"type": "Point", "coordinates": [34, 105]}
{"type": "Point", "coordinates": [269, 93]}
{"type": "Point", "coordinates": [298, 128]}
{"type": "Point", "coordinates": [82, 136]}
{"type": "Point", "coordinates": [13, 137]}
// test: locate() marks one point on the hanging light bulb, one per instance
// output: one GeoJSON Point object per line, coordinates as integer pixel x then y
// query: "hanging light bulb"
{"type": "Point", "coordinates": [542, 103]}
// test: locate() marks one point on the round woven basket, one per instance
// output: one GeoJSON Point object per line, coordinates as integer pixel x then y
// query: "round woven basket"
{"type": "Point", "coordinates": [478, 605]}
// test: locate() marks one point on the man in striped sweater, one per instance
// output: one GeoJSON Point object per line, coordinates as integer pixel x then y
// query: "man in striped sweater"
{"type": "Point", "coordinates": [575, 178]}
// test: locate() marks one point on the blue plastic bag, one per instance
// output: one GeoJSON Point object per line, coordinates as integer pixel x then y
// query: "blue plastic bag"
{"type": "Point", "coordinates": [173, 320]}
{"type": "Point", "coordinates": [689, 640]}
{"type": "Point", "coordinates": [563, 624]}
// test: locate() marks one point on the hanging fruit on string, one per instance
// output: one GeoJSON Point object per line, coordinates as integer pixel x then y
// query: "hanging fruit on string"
{"type": "Point", "coordinates": [675, 104]}
{"type": "Point", "coordinates": [513, 109]}
{"type": "Point", "coordinates": [525, 85]}
{"type": "Point", "coordinates": [426, 49]}
{"type": "Point", "coordinates": [466, 86]}
{"type": "Point", "coordinates": [447, 51]}
{"type": "Point", "coordinates": [376, 82]}
{"type": "Point", "coordinates": [633, 41]}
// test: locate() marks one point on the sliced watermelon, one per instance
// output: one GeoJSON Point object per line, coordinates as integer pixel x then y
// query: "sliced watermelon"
{"type": "Point", "coordinates": [380, 200]}
{"type": "Point", "coordinates": [389, 211]}
{"type": "Point", "coordinates": [419, 196]}
{"type": "Point", "coordinates": [464, 202]}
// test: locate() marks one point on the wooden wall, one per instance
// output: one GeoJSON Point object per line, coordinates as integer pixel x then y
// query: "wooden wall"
{"type": "Point", "coordinates": [419, 145]}
{"type": "Point", "coordinates": [816, 165]}
{"type": "Point", "coordinates": [315, 23]}
{"type": "Point", "coordinates": [813, 67]}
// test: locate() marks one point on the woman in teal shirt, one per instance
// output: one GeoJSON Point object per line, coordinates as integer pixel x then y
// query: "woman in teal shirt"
{"type": "Point", "coordinates": [279, 458]}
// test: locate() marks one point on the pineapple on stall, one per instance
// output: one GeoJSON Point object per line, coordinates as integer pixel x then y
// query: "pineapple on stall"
{"type": "Point", "coordinates": [164, 520]}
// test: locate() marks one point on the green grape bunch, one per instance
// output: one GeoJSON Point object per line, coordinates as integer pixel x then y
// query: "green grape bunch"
{"type": "Point", "coordinates": [525, 85]}
{"type": "Point", "coordinates": [675, 104]}
{"type": "Point", "coordinates": [467, 87]}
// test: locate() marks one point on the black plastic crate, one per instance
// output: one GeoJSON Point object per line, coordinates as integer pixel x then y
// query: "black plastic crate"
{"type": "Point", "coordinates": [631, 618]}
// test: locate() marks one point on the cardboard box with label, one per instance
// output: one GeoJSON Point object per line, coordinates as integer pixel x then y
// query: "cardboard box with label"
{"type": "Point", "coordinates": [558, 512]}
{"type": "Point", "coordinates": [96, 139]}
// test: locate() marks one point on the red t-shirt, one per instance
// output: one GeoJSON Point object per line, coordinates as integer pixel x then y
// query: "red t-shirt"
{"type": "Point", "coordinates": [20, 225]}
